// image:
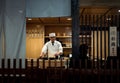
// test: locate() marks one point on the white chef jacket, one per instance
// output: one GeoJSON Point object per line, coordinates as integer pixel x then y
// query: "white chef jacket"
{"type": "Point", "coordinates": [50, 49]}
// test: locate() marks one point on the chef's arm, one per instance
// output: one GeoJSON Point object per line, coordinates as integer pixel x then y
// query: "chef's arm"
{"type": "Point", "coordinates": [58, 53]}
{"type": "Point", "coordinates": [42, 54]}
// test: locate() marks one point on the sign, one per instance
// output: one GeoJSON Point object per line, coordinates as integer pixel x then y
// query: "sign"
{"type": "Point", "coordinates": [113, 41]}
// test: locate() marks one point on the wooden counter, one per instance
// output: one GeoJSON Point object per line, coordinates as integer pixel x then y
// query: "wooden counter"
{"type": "Point", "coordinates": [47, 63]}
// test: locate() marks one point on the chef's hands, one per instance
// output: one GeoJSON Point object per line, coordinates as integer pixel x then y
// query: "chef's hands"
{"type": "Point", "coordinates": [58, 53]}
{"type": "Point", "coordinates": [42, 55]}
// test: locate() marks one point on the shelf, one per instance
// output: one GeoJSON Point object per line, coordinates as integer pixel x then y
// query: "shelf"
{"type": "Point", "coordinates": [69, 36]}
{"type": "Point", "coordinates": [66, 47]}
{"type": "Point", "coordinates": [60, 36]}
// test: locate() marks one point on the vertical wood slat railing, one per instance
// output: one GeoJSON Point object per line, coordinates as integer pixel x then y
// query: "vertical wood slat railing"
{"type": "Point", "coordinates": [34, 74]}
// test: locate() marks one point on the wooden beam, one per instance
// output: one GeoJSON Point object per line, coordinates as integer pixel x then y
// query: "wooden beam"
{"type": "Point", "coordinates": [75, 28]}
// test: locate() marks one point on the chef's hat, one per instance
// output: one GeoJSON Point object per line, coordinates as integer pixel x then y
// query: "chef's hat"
{"type": "Point", "coordinates": [52, 35]}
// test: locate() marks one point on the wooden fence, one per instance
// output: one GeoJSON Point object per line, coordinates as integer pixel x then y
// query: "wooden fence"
{"type": "Point", "coordinates": [94, 72]}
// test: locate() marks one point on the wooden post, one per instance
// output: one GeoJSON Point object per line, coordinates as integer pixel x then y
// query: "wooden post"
{"type": "Point", "coordinates": [75, 27]}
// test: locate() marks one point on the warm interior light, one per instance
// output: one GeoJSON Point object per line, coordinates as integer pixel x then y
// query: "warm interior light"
{"type": "Point", "coordinates": [69, 18]}
{"type": "Point", "coordinates": [108, 19]}
{"type": "Point", "coordinates": [118, 10]}
{"type": "Point", "coordinates": [29, 19]}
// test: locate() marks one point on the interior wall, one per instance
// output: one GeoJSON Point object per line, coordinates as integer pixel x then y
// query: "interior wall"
{"type": "Point", "coordinates": [34, 40]}
{"type": "Point", "coordinates": [99, 44]}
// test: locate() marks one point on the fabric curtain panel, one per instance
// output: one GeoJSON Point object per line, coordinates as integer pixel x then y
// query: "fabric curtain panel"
{"type": "Point", "coordinates": [12, 30]}
{"type": "Point", "coordinates": [1, 27]}
{"type": "Point", "coordinates": [48, 8]}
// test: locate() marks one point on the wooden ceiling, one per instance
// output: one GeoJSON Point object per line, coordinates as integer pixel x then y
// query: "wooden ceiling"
{"type": "Point", "coordinates": [87, 10]}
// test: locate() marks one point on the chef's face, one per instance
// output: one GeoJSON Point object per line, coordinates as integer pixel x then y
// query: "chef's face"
{"type": "Point", "coordinates": [52, 39]}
